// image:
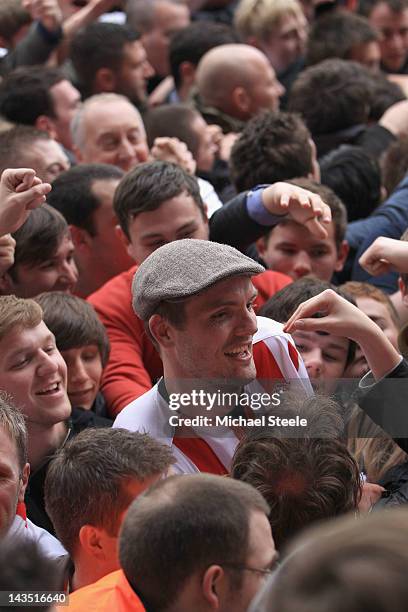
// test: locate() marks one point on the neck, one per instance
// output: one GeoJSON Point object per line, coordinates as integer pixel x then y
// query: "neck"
{"type": "Point", "coordinates": [43, 442]}
{"type": "Point", "coordinates": [88, 570]}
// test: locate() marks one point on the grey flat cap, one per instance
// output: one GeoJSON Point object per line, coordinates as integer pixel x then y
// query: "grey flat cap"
{"type": "Point", "coordinates": [183, 268]}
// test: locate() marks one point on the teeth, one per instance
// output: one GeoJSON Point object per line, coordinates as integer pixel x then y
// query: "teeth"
{"type": "Point", "coordinates": [239, 351]}
{"type": "Point", "coordinates": [52, 387]}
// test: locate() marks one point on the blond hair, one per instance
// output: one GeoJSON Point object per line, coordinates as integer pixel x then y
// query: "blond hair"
{"type": "Point", "coordinates": [20, 312]}
{"type": "Point", "coordinates": [259, 18]}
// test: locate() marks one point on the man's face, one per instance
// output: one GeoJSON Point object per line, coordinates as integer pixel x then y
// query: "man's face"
{"type": "Point", "coordinates": [207, 148]}
{"type": "Point", "coordinates": [168, 19]}
{"type": "Point", "coordinates": [114, 134]}
{"type": "Point", "coordinates": [107, 248]}
{"type": "Point", "coordinates": [286, 43]}
{"type": "Point", "coordinates": [379, 313]}
{"type": "Point", "coordinates": [34, 373]}
{"type": "Point", "coordinates": [393, 27]}
{"type": "Point", "coordinates": [216, 340]}
{"type": "Point", "coordinates": [265, 90]}
{"type": "Point", "coordinates": [368, 54]}
{"type": "Point", "coordinates": [325, 357]}
{"type": "Point", "coordinates": [175, 219]}
{"type": "Point", "coordinates": [261, 555]}
{"type": "Point", "coordinates": [134, 71]}
{"type": "Point", "coordinates": [291, 248]}
{"type": "Point", "coordinates": [59, 273]}
{"type": "Point", "coordinates": [66, 102]}
{"type": "Point", "coordinates": [47, 158]}
{"type": "Point", "coordinates": [11, 483]}
{"type": "Point", "coordinates": [84, 374]}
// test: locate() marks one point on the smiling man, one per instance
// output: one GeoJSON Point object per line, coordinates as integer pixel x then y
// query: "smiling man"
{"type": "Point", "coordinates": [196, 300]}
{"type": "Point", "coordinates": [34, 373]}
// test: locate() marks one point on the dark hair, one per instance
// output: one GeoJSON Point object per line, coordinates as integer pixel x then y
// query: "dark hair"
{"type": "Point", "coordinates": [284, 302]}
{"type": "Point", "coordinates": [273, 146]}
{"type": "Point", "coordinates": [98, 45]}
{"type": "Point", "coordinates": [335, 35]}
{"type": "Point", "coordinates": [25, 94]}
{"type": "Point", "coordinates": [365, 7]}
{"type": "Point", "coordinates": [12, 18]}
{"type": "Point", "coordinates": [23, 567]}
{"type": "Point", "coordinates": [192, 42]}
{"type": "Point", "coordinates": [15, 141]}
{"type": "Point", "coordinates": [148, 185]}
{"type": "Point", "coordinates": [384, 93]}
{"type": "Point", "coordinates": [394, 164]}
{"type": "Point", "coordinates": [347, 564]}
{"type": "Point", "coordinates": [332, 96]}
{"type": "Point", "coordinates": [86, 480]}
{"type": "Point", "coordinates": [73, 322]}
{"type": "Point", "coordinates": [38, 238]}
{"type": "Point", "coordinates": [354, 175]}
{"type": "Point", "coordinates": [305, 479]}
{"type": "Point", "coordinates": [198, 520]}
{"type": "Point", "coordinates": [72, 193]}
{"type": "Point", "coordinates": [174, 121]}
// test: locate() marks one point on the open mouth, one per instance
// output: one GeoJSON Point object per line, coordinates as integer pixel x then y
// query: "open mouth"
{"type": "Point", "coordinates": [51, 389]}
{"type": "Point", "coordinates": [241, 353]}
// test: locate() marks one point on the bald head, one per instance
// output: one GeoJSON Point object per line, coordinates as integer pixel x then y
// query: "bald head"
{"type": "Point", "coordinates": [238, 80]}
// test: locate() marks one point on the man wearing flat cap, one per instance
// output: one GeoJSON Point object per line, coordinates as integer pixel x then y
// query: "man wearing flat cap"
{"type": "Point", "coordinates": [196, 299]}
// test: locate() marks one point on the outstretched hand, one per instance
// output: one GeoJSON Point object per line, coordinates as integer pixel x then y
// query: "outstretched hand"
{"type": "Point", "coordinates": [300, 205]}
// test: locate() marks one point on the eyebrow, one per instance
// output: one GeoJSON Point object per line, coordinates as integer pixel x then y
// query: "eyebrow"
{"type": "Point", "coordinates": [156, 235]}
{"type": "Point", "coordinates": [27, 348]}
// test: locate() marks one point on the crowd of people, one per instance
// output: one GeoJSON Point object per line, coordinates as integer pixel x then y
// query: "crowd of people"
{"type": "Point", "coordinates": [204, 305]}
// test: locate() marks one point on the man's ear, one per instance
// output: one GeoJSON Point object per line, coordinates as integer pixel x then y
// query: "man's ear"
{"type": "Point", "coordinates": [125, 241]}
{"type": "Point", "coordinates": [187, 72]}
{"type": "Point", "coordinates": [403, 290]}
{"type": "Point", "coordinates": [104, 81]}
{"type": "Point", "coordinates": [81, 239]}
{"type": "Point", "coordinates": [241, 100]}
{"type": "Point", "coordinates": [6, 284]}
{"type": "Point", "coordinates": [24, 482]}
{"type": "Point", "coordinates": [342, 253]}
{"type": "Point", "coordinates": [46, 124]}
{"type": "Point", "coordinates": [91, 540]}
{"type": "Point", "coordinates": [261, 245]}
{"type": "Point", "coordinates": [214, 586]}
{"type": "Point", "coordinates": [161, 330]}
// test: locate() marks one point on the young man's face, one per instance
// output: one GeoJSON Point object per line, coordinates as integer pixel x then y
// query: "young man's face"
{"type": "Point", "coordinates": [287, 41]}
{"type": "Point", "coordinates": [47, 158]}
{"type": "Point", "coordinates": [134, 71]}
{"type": "Point", "coordinates": [11, 481]}
{"type": "Point", "coordinates": [216, 340]}
{"type": "Point", "coordinates": [291, 248]}
{"type": "Point", "coordinates": [393, 27]}
{"type": "Point", "coordinates": [84, 374]}
{"type": "Point", "coordinates": [34, 373]}
{"type": "Point", "coordinates": [175, 219]}
{"type": "Point", "coordinates": [325, 357]}
{"type": "Point", "coordinates": [59, 273]}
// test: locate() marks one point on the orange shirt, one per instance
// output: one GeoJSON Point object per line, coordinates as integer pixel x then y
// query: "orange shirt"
{"type": "Point", "coordinates": [112, 593]}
